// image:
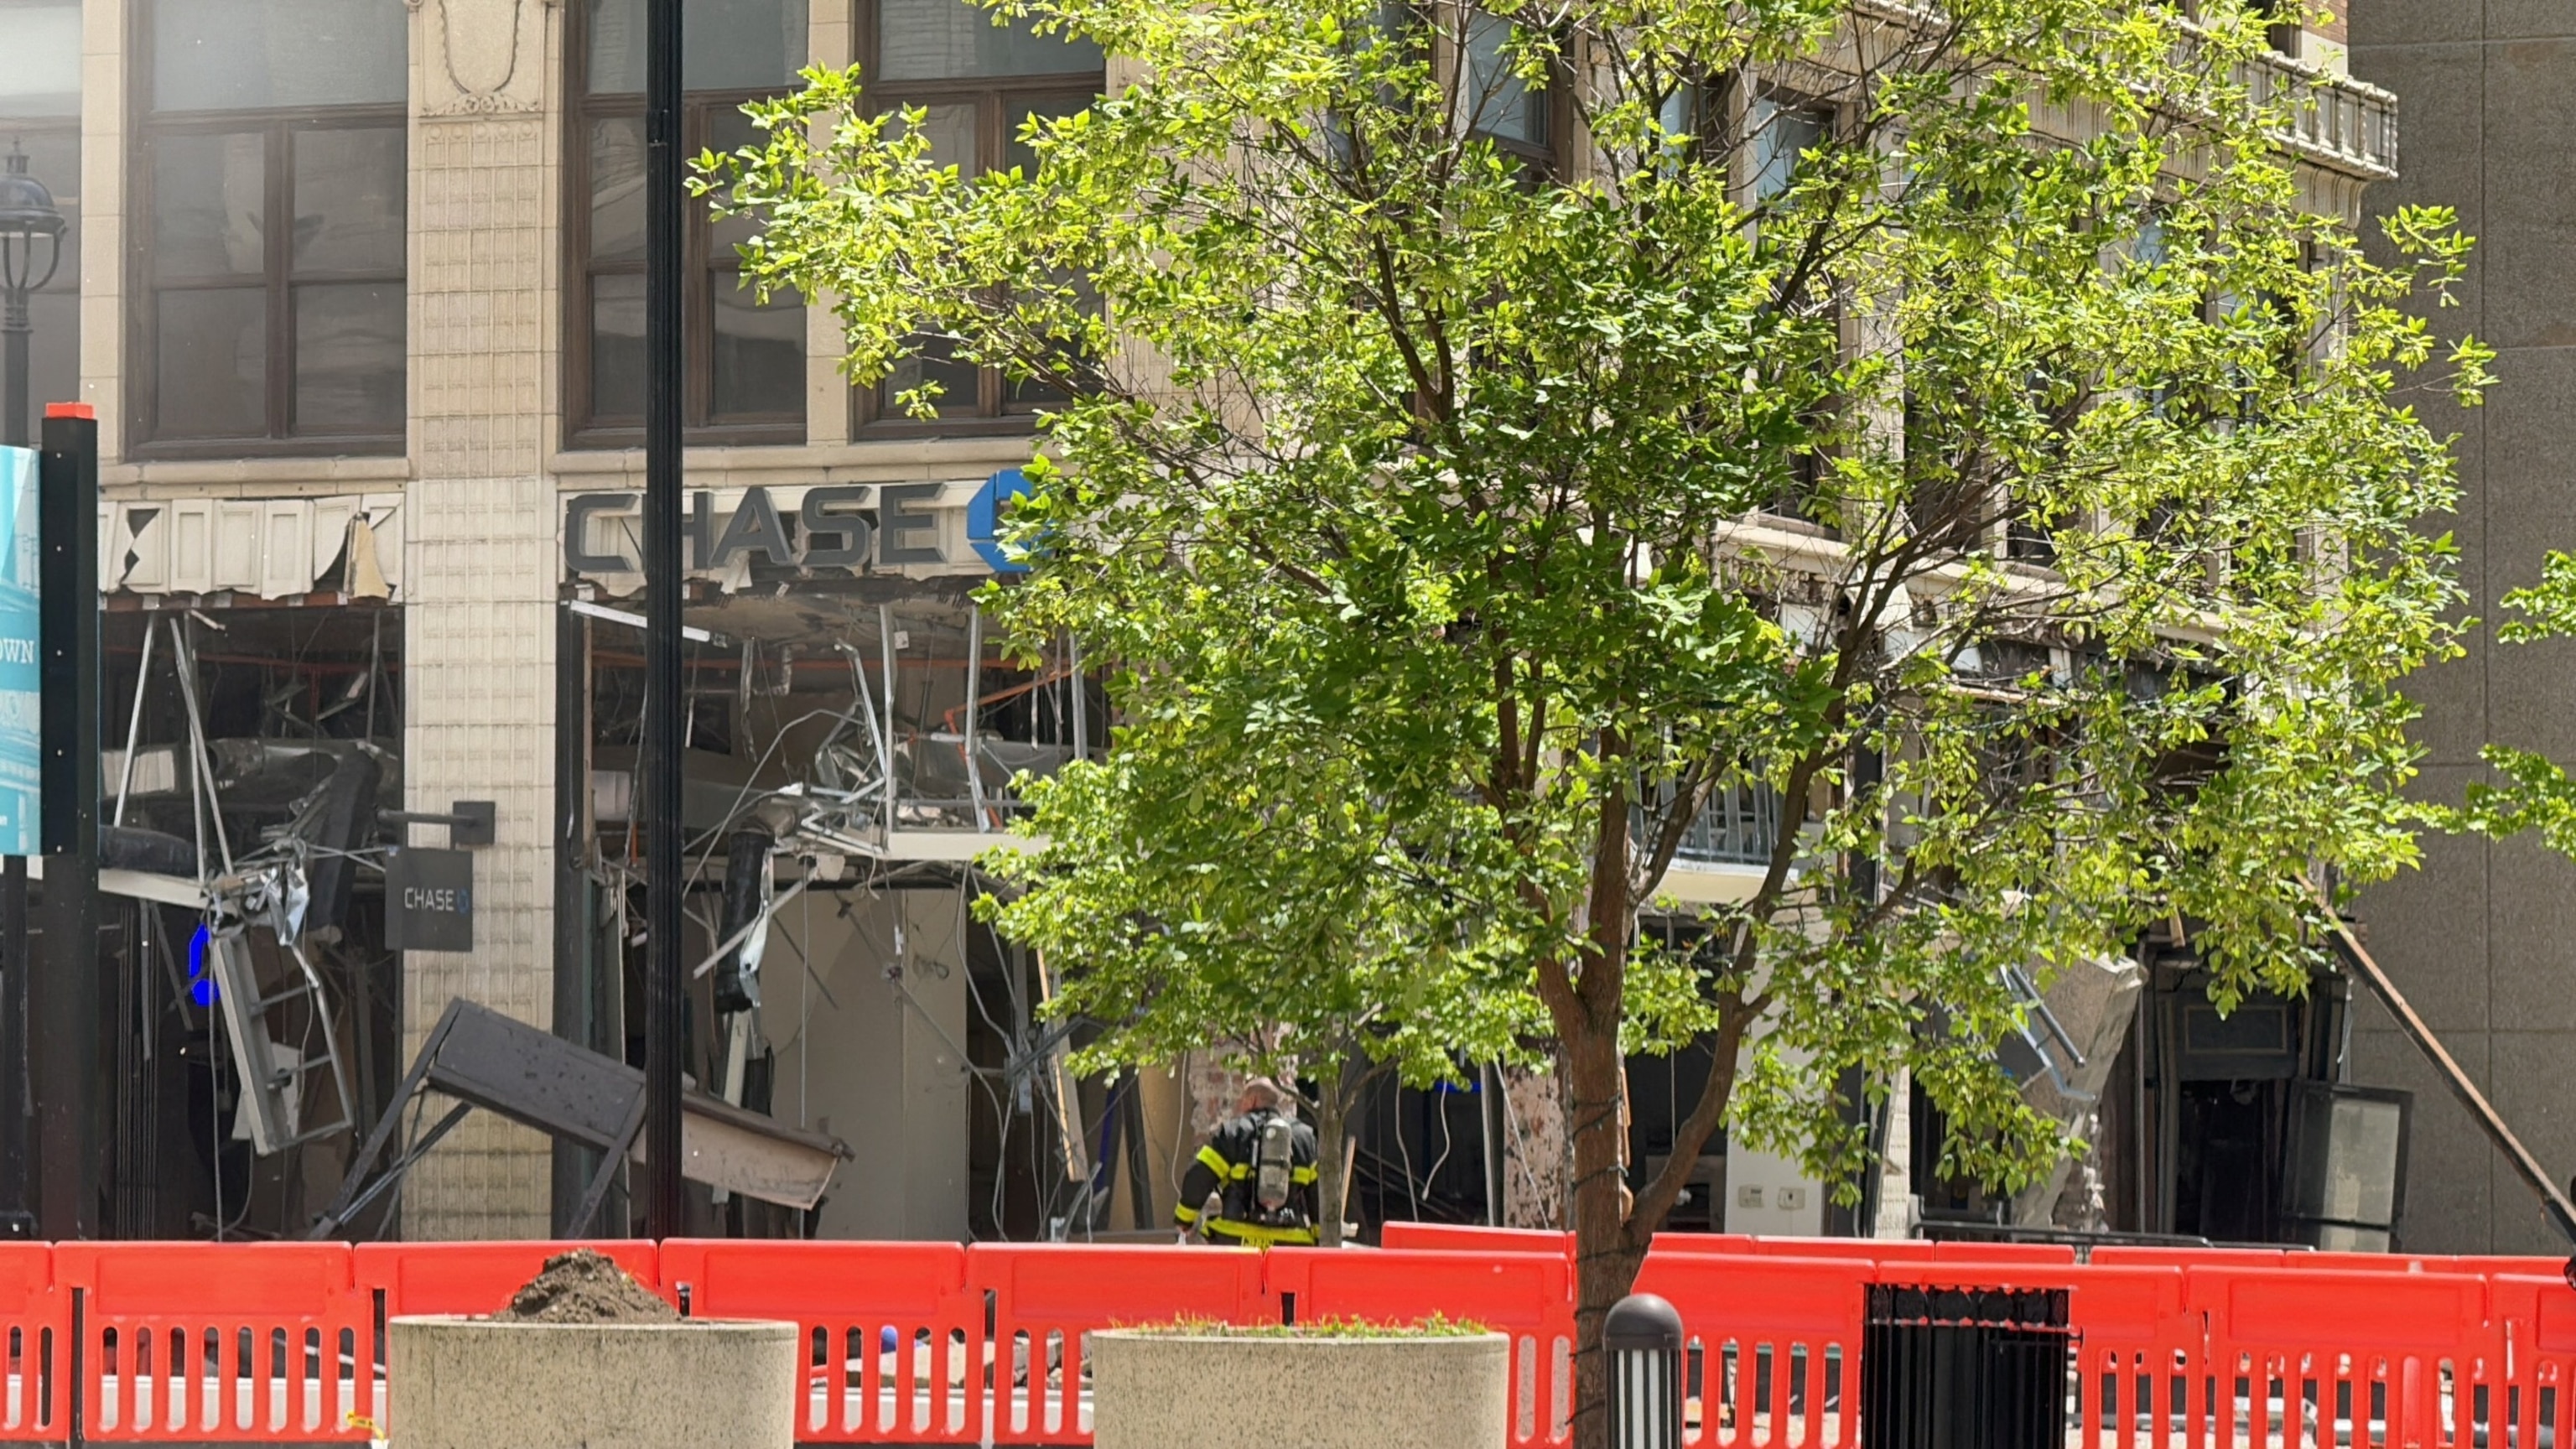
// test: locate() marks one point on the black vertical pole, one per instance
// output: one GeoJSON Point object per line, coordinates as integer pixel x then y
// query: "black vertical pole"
{"type": "Point", "coordinates": [17, 1077]}
{"type": "Point", "coordinates": [1489, 1114]}
{"type": "Point", "coordinates": [13, 369]}
{"type": "Point", "coordinates": [64, 998]}
{"type": "Point", "coordinates": [662, 580]}
{"type": "Point", "coordinates": [575, 1019]}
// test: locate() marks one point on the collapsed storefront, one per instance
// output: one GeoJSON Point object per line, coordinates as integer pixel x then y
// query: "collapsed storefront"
{"type": "Point", "coordinates": [854, 736]}
{"type": "Point", "coordinates": [852, 739]}
{"type": "Point", "coordinates": [252, 697]}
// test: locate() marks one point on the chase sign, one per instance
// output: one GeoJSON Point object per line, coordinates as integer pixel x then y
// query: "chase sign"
{"type": "Point", "coordinates": [934, 528]}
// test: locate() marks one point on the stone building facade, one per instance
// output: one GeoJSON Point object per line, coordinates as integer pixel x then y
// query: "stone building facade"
{"type": "Point", "coordinates": [2478, 937]}
{"type": "Point", "coordinates": [408, 395]}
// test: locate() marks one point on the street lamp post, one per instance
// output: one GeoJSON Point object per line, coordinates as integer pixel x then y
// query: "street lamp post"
{"type": "Point", "coordinates": [31, 250]}
{"type": "Point", "coordinates": [663, 725]}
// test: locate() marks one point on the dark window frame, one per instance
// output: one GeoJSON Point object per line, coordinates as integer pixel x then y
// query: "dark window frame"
{"type": "Point", "coordinates": [1546, 157]}
{"type": "Point", "coordinates": [280, 435]}
{"type": "Point", "coordinates": [1738, 99]}
{"type": "Point", "coordinates": [1001, 103]}
{"type": "Point", "coordinates": [703, 268]}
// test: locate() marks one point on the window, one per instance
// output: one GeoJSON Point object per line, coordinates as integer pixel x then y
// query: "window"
{"type": "Point", "coordinates": [40, 117]}
{"type": "Point", "coordinates": [1497, 103]}
{"type": "Point", "coordinates": [745, 380]}
{"type": "Point", "coordinates": [270, 187]}
{"type": "Point", "coordinates": [1778, 132]}
{"type": "Point", "coordinates": [976, 84]}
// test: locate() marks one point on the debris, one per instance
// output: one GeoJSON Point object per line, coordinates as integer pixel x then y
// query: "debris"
{"type": "Point", "coordinates": [585, 1286]}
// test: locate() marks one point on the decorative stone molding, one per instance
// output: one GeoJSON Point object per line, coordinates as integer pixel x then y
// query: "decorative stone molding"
{"type": "Point", "coordinates": [483, 57]}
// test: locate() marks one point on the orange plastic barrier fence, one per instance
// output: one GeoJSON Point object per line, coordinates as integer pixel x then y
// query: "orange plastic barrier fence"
{"type": "Point", "coordinates": [408, 1279]}
{"type": "Point", "coordinates": [2536, 1316]}
{"type": "Point", "coordinates": [469, 1278]}
{"type": "Point", "coordinates": [36, 1317]}
{"type": "Point", "coordinates": [1045, 1298]}
{"type": "Point", "coordinates": [220, 1343]}
{"type": "Point", "coordinates": [1529, 1296]}
{"type": "Point", "coordinates": [895, 1345]}
{"type": "Point", "coordinates": [1771, 1344]}
{"type": "Point", "coordinates": [1460, 1238]}
{"type": "Point", "coordinates": [938, 1344]}
{"type": "Point", "coordinates": [1457, 1238]}
{"type": "Point", "coordinates": [2372, 1358]}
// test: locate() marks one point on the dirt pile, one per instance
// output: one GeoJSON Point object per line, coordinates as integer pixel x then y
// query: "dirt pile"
{"type": "Point", "coordinates": [585, 1286]}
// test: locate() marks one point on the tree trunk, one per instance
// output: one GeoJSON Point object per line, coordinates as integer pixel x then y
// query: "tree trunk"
{"type": "Point", "coordinates": [1332, 1121]}
{"type": "Point", "coordinates": [1606, 1255]}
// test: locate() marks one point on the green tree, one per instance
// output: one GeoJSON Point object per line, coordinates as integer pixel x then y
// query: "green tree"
{"type": "Point", "coordinates": [1948, 422]}
{"type": "Point", "coordinates": [1233, 883]}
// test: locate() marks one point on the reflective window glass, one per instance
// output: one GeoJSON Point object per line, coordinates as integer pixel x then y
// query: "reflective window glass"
{"type": "Point", "coordinates": [1498, 102]}
{"type": "Point", "coordinates": [725, 45]}
{"type": "Point", "coordinates": [40, 63]}
{"type": "Point", "coordinates": [1781, 134]}
{"type": "Point", "coordinates": [210, 205]}
{"type": "Point", "coordinates": [976, 85]}
{"type": "Point", "coordinates": [212, 363]}
{"type": "Point", "coordinates": [745, 361]}
{"type": "Point", "coordinates": [956, 40]}
{"type": "Point", "coordinates": [617, 345]}
{"type": "Point", "coordinates": [271, 204]}
{"type": "Point", "coordinates": [960, 384]}
{"type": "Point", "coordinates": [349, 357]}
{"type": "Point", "coordinates": [759, 351]}
{"type": "Point", "coordinates": [229, 55]}
{"type": "Point", "coordinates": [617, 189]}
{"type": "Point", "coordinates": [348, 200]}
{"type": "Point", "coordinates": [53, 152]}
{"type": "Point", "coordinates": [950, 127]}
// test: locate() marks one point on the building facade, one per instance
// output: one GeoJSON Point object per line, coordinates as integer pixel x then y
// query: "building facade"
{"type": "Point", "coordinates": [357, 296]}
{"type": "Point", "coordinates": [2477, 938]}
{"type": "Point", "coordinates": [358, 300]}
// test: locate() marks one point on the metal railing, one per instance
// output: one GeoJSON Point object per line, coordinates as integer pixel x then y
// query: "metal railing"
{"type": "Point", "coordinates": [1736, 827]}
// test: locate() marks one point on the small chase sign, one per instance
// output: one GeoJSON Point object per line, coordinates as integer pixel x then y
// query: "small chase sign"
{"type": "Point", "coordinates": [429, 900]}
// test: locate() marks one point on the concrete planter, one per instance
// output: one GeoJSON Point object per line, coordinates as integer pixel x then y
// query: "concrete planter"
{"type": "Point", "coordinates": [471, 1383]}
{"type": "Point", "coordinates": [1155, 1390]}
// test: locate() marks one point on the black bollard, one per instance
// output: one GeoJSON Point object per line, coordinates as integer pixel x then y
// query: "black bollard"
{"type": "Point", "coordinates": [1643, 1336]}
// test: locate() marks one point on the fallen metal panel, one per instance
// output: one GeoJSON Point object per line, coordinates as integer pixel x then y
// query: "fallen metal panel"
{"type": "Point", "coordinates": [775, 1164]}
{"type": "Point", "coordinates": [539, 1080]}
{"type": "Point", "coordinates": [142, 885]}
{"type": "Point", "coordinates": [504, 1065]}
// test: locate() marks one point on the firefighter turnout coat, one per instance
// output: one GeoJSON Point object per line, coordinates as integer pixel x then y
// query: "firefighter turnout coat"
{"type": "Point", "coordinates": [1225, 1167]}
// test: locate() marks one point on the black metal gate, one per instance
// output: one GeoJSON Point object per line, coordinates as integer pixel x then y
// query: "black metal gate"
{"type": "Point", "coordinates": [1964, 1368]}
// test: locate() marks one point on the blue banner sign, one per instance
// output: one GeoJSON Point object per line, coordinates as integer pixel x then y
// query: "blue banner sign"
{"type": "Point", "coordinates": [22, 686]}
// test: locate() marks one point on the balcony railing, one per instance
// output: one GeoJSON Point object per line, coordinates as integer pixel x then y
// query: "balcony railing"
{"type": "Point", "coordinates": [2334, 121]}
{"type": "Point", "coordinates": [1736, 827]}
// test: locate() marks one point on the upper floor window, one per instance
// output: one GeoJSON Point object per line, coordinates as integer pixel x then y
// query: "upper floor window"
{"type": "Point", "coordinates": [1498, 103]}
{"type": "Point", "coordinates": [1779, 133]}
{"type": "Point", "coordinates": [977, 84]}
{"type": "Point", "coordinates": [270, 195]}
{"type": "Point", "coordinates": [744, 380]}
{"type": "Point", "coordinates": [40, 117]}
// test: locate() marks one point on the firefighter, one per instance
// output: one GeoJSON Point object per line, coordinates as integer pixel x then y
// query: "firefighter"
{"type": "Point", "coordinates": [1260, 1164]}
